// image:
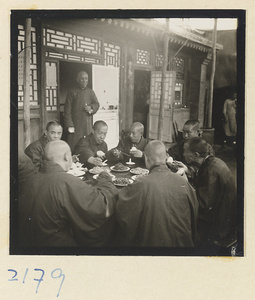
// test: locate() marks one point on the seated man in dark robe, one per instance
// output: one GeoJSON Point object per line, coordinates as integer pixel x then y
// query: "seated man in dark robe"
{"type": "Point", "coordinates": [68, 212]}
{"type": "Point", "coordinates": [36, 149]}
{"type": "Point", "coordinates": [158, 210]}
{"type": "Point", "coordinates": [131, 146]}
{"type": "Point", "coordinates": [92, 149]}
{"type": "Point", "coordinates": [191, 128]}
{"type": "Point", "coordinates": [216, 194]}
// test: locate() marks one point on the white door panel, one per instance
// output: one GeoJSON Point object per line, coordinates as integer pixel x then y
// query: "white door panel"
{"type": "Point", "coordinates": [105, 81]}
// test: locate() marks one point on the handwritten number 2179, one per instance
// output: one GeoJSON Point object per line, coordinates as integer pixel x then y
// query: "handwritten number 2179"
{"type": "Point", "coordinates": [57, 273]}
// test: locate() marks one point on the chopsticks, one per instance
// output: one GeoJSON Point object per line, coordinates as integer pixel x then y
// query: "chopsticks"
{"type": "Point", "coordinates": [126, 154]}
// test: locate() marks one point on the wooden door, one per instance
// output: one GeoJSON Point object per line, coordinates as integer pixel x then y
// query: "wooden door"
{"type": "Point", "coordinates": [155, 92]}
{"type": "Point", "coordinates": [105, 83]}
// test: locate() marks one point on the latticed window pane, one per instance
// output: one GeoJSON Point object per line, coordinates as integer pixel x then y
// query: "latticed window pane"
{"type": "Point", "coordinates": [111, 55]}
{"type": "Point", "coordinates": [33, 67]}
{"type": "Point", "coordinates": [51, 86]}
{"type": "Point", "coordinates": [177, 64]}
{"type": "Point", "coordinates": [68, 41]}
{"type": "Point", "coordinates": [72, 57]}
{"type": "Point", "coordinates": [143, 57]}
{"type": "Point", "coordinates": [178, 94]}
{"type": "Point", "coordinates": [159, 60]}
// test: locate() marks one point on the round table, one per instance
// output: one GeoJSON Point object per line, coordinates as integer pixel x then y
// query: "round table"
{"type": "Point", "coordinates": [88, 177]}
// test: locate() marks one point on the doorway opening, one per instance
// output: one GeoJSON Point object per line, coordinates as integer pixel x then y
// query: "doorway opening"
{"type": "Point", "coordinates": [141, 97]}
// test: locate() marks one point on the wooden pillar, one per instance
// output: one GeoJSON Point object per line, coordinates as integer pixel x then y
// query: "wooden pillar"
{"type": "Point", "coordinates": [123, 88]}
{"type": "Point", "coordinates": [26, 104]}
{"type": "Point", "coordinates": [130, 90]}
{"type": "Point", "coordinates": [163, 80]}
{"type": "Point", "coordinates": [210, 104]}
{"type": "Point", "coordinates": [202, 92]}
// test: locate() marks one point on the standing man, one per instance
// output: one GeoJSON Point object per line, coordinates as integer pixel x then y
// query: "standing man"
{"type": "Point", "coordinates": [229, 112]}
{"type": "Point", "coordinates": [81, 104]}
{"type": "Point", "coordinates": [36, 149]}
{"type": "Point", "coordinates": [216, 194]}
{"type": "Point", "coordinates": [92, 149]}
{"type": "Point", "coordinates": [158, 210]}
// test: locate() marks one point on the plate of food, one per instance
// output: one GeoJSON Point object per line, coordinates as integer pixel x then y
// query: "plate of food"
{"type": "Point", "coordinates": [120, 168]}
{"type": "Point", "coordinates": [95, 176]}
{"type": "Point", "coordinates": [122, 181]}
{"type": "Point", "coordinates": [139, 171]}
{"type": "Point", "coordinates": [134, 177]}
{"type": "Point", "coordinates": [98, 170]}
{"type": "Point", "coordinates": [76, 172]}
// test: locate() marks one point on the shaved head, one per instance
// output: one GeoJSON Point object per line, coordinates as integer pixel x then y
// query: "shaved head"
{"type": "Point", "coordinates": [137, 126]}
{"type": "Point", "coordinates": [99, 124]}
{"type": "Point", "coordinates": [155, 152]}
{"type": "Point", "coordinates": [59, 152]}
{"type": "Point", "coordinates": [136, 132]}
{"type": "Point", "coordinates": [82, 79]}
{"type": "Point", "coordinates": [191, 129]}
{"type": "Point", "coordinates": [79, 74]}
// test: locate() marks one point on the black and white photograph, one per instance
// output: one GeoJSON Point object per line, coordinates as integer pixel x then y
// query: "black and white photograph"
{"type": "Point", "coordinates": [127, 132]}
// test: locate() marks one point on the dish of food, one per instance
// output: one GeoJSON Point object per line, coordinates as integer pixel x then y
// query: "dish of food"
{"type": "Point", "coordinates": [134, 177]}
{"type": "Point", "coordinates": [120, 168]}
{"type": "Point", "coordinates": [95, 176]}
{"type": "Point", "coordinates": [122, 181]}
{"type": "Point", "coordinates": [139, 171]}
{"type": "Point", "coordinates": [76, 172]}
{"type": "Point", "coordinates": [98, 170]}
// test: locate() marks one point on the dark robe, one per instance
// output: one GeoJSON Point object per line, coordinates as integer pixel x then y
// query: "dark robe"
{"type": "Point", "coordinates": [28, 184]}
{"type": "Point", "coordinates": [76, 116]}
{"type": "Point", "coordinates": [88, 147]}
{"type": "Point", "coordinates": [68, 212]}
{"type": "Point", "coordinates": [36, 150]}
{"type": "Point", "coordinates": [125, 145]}
{"type": "Point", "coordinates": [158, 210]}
{"type": "Point", "coordinates": [177, 153]}
{"type": "Point", "coordinates": [216, 193]}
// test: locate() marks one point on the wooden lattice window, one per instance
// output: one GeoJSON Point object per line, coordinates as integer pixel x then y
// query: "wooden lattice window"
{"type": "Point", "coordinates": [51, 86]}
{"type": "Point", "coordinates": [111, 55]}
{"type": "Point", "coordinates": [159, 60]}
{"type": "Point", "coordinates": [143, 57]}
{"type": "Point", "coordinates": [177, 64]}
{"type": "Point", "coordinates": [155, 89]}
{"type": "Point", "coordinates": [72, 57]}
{"type": "Point", "coordinates": [33, 67]}
{"type": "Point", "coordinates": [68, 41]}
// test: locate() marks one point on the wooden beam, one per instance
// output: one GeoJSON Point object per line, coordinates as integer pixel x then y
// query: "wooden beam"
{"type": "Point", "coordinates": [163, 80]}
{"type": "Point", "coordinates": [210, 102]}
{"type": "Point", "coordinates": [26, 104]}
